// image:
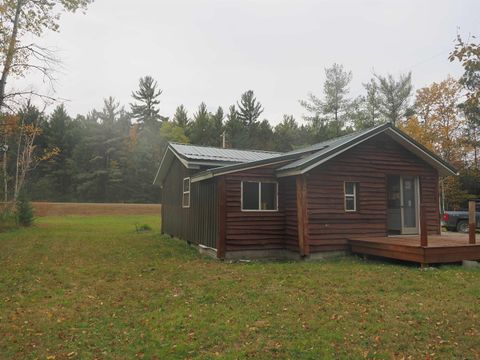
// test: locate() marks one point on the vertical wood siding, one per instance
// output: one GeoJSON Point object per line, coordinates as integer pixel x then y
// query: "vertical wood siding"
{"type": "Point", "coordinates": [197, 224]}
{"type": "Point", "coordinates": [289, 196]}
{"type": "Point", "coordinates": [369, 164]}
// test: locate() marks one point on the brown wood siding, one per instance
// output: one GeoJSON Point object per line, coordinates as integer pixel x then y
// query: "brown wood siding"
{"type": "Point", "coordinates": [289, 196]}
{"type": "Point", "coordinates": [368, 164]}
{"type": "Point", "coordinates": [197, 224]}
{"type": "Point", "coordinates": [253, 229]}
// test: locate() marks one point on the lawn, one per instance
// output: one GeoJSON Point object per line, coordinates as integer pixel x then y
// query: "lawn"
{"type": "Point", "coordinates": [92, 288]}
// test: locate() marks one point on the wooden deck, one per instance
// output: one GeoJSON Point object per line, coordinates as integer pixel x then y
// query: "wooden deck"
{"type": "Point", "coordinates": [441, 249]}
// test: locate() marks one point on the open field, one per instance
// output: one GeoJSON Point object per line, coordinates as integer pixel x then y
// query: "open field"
{"type": "Point", "coordinates": [94, 209]}
{"type": "Point", "coordinates": [92, 288]}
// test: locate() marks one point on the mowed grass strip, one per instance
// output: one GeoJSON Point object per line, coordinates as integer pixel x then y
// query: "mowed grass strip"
{"type": "Point", "coordinates": [93, 288]}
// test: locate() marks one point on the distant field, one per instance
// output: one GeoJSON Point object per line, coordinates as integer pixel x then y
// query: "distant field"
{"type": "Point", "coordinates": [91, 287]}
{"type": "Point", "coordinates": [93, 209]}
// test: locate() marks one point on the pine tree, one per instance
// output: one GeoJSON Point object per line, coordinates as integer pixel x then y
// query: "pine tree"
{"type": "Point", "coordinates": [236, 131]}
{"type": "Point", "coordinates": [200, 131]}
{"type": "Point", "coordinates": [180, 118]}
{"type": "Point", "coordinates": [286, 135]}
{"type": "Point", "coordinates": [24, 210]}
{"type": "Point", "coordinates": [330, 113]}
{"type": "Point", "coordinates": [394, 96]}
{"type": "Point", "coordinates": [249, 109]}
{"type": "Point", "coordinates": [146, 110]}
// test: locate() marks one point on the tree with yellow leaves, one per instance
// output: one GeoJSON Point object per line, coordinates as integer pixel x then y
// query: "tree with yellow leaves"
{"type": "Point", "coordinates": [439, 124]}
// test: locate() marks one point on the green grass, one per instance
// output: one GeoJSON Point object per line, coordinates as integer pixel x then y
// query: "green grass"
{"type": "Point", "coordinates": [93, 287]}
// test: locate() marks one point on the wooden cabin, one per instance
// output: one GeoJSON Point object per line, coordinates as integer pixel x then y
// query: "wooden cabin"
{"type": "Point", "coordinates": [330, 198]}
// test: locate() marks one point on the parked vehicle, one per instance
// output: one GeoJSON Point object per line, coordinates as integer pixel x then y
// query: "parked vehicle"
{"type": "Point", "coordinates": [458, 220]}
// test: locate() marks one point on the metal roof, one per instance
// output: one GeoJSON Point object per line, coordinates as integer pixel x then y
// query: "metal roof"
{"type": "Point", "coordinates": [325, 146]}
{"type": "Point", "coordinates": [195, 152]}
{"type": "Point", "coordinates": [303, 160]}
{"type": "Point", "coordinates": [329, 149]}
{"type": "Point", "coordinates": [196, 157]}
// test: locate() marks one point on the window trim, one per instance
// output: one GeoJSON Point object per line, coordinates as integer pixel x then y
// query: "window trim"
{"type": "Point", "coordinates": [186, 192]}
{"type": "Point", "coordinates": [259, 182]}
{"type": "Point", "coordinates": [353, 196]}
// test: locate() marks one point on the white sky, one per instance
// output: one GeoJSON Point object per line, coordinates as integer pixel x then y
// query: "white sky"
{"type": "Point", "coordinates": [213, 50]}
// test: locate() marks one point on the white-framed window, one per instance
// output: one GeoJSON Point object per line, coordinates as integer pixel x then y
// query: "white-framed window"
{"type": "Point", "coordinates": [259, 196]}
{"type": "Point", "coordinates": [351, 192]}
{"type": "Point", "coordinates": [186, 193]}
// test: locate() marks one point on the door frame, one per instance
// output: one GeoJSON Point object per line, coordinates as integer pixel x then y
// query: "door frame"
{"type": "Point", "coordinates": [410, 230]}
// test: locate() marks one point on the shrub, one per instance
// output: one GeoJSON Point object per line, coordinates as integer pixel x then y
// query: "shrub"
{"type": "Point", "coordinates": [24, 211]}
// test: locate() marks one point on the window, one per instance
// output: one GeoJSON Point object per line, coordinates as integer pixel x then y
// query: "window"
{"type": "Point", "coordinates": [259, 196]}
{"type": "Point", "coordinates": [351, 190]}
{"type": "Point", "coordinates": [186, 193]}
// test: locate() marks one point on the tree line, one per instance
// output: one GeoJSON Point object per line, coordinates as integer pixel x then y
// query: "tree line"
{"type": "Point", "coordinates": [112, 153]}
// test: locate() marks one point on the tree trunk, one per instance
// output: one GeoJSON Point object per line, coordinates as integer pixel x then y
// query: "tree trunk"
{"type": "Point", "coordinates": [10, 53]}
{"type": "Point", "coordinates": [3, 82]}
{"type": "Point", "coordinates": [5, 179]}
{"type": "Point", "coordinates": [16, 189]}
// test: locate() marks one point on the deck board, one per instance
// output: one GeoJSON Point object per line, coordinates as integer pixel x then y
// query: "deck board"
{"type": "Point", "coordinates": [441, 249]}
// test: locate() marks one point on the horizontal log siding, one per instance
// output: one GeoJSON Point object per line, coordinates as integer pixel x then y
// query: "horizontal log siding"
{"type": "Point", "coordinates": [253, 230]}
{"type": "Point", "coordinates": [197, 224]}
{"type": "Point", "coordinates": [369, 164]}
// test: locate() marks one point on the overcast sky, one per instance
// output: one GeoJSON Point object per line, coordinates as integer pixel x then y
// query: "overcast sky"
{"type": "Point", "coordinates": [213, 50]}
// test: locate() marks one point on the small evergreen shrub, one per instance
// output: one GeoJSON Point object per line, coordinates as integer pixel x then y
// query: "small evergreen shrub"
{"type": "Point", "coordinates": [24, 211]}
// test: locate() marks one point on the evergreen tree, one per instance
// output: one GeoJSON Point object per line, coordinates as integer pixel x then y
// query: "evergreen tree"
{"type": "Point", "coordinates": [145, 111]}
{"type": "Point", "coordinates": [394, 96]}
{"type": "Point", "coordinates": [262, 136]}
{"type": "Point", "coordinates": [244, 133]}
{"type": "Point", "coordinates": [286, 135]}
{"type": "Point", "coordinates": [53, 179]}
{"type": "Point", "coordinates": [331, 112]}
{"type": "Point", "coordinates": [24, 211]}
{"type": "Point", "coordinates": [249, 109]}
{"type": "Point", "coordinates": [372, 103]}
{"type": "Point", "coordinates": [180, 118]}
{"type": "Point", "coordinates": [236, 131]}
{"type": "Point", "coordinates": [217, 127]}
{"type": "Point", "coordinates": [206, 128]}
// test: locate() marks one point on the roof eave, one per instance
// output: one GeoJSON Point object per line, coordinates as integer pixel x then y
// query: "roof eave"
{"type": "Point", "coordinates": [443, 167]}
{"type": "Point", "coordinates": [333, 152]}
{"type": "Point", "coordinates": [224, 170]}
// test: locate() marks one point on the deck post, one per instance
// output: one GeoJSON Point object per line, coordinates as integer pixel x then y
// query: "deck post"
{"type": "Point", "coordinates": [472, 222]}
{"type": "Point", "coordinates": [423, 226]}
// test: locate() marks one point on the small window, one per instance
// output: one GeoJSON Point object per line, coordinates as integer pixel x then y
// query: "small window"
{"type": "Point", "coordinates": [351, 190]}
{"type": "Point", "coordinates": [186, 193]}
{"type": "Point", "coordinates": [259, 196]}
